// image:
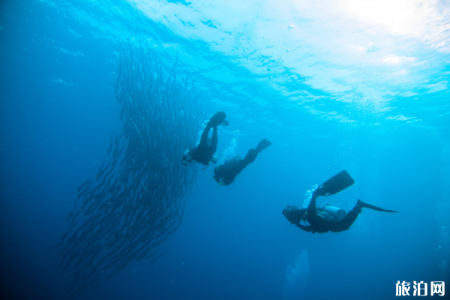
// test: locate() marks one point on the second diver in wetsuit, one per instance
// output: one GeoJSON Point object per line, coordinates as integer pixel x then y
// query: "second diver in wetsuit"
{"type": "Point", "coordinates": [226, 173]}
{"type": "Point", "coordinates": [204, 151]}
{"type": "Point", "coordinates": [323, 220]}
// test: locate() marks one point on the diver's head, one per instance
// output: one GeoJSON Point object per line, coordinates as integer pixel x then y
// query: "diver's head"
{"type": "Point", "coordinates": [185, 157]}
{"type": "Point", "coordinates": [286, 210]}
{"type": "Point", "coordinates": [216, 178]}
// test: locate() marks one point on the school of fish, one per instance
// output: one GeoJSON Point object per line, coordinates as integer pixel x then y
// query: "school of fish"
{"type": "Point", "coordinates": [138, 196]}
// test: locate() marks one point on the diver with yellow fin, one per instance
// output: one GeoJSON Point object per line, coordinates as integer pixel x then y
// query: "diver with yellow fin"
{"type": "Point", "coordinates": [328, 218]}
{"type": "Point", "coordinates": [204, 151]}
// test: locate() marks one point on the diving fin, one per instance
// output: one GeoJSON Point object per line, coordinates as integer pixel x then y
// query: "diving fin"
{"type": "Point", "coordinates": [217, 119]}
{"type": "Point", "coordinates": [364, 204]}
{"type": "Point", "coordinates": [263, 144]}
{"type": "Point", "coordinates": [335, 184]}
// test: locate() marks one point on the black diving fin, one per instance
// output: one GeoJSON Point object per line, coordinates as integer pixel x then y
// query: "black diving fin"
{"type": "Point", "coordinates": [218, 119]}
{"type": "Point", "coordinates": [364, 204]}
{"type": "Point", "coordinates": [263, 144]}
{"type": "Point", "coordinates": [335, 184]}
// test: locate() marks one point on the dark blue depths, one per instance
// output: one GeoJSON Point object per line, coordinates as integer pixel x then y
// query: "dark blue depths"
{"type": "Point", "coordinates": [58, 112]}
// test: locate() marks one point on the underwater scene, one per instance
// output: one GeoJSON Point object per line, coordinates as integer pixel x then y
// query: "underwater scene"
{"type": "Point", "coordinates": [199, 149]}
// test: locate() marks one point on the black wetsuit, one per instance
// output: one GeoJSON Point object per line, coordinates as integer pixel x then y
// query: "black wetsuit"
{"type": "Point", "coordinates": [317, 223]}
{"type": "Point", "coordinates": [226, 173]}
{"type": "Point", "coordinates": [203, 153]}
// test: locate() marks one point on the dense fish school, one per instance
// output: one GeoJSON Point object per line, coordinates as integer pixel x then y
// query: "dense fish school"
{"type": "Point", "coordinates": [137, 198]}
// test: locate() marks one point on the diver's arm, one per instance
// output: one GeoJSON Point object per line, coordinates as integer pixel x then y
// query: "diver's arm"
{"type": "Point", "coordinates": [311, 215]}
{"type": "Point", "coordinates": [186, 157]}
{"type": "Point", "coordinates": [204, 136]}
{"type": "Point", "coordinates": [302, 227]}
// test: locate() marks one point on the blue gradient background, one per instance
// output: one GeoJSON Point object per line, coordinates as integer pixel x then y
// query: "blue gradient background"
{"type": "Point", "coordinates": [58, 110]}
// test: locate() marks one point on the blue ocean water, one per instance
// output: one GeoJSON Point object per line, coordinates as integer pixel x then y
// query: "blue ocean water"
{"type": "Point", "coordinates": [355, 85]}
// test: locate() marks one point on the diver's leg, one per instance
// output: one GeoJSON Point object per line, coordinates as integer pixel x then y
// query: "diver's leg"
{"type": "Point", "coordinates": [204, 136]}
{"type": "Point", "coordinates": [214, 141]}
{"type": "Point", "coordinates": [250, 157]}
{"type": "Point", "coordinates": [347, 221]}
{"type": "Point", "coordinates": [311, 212]}
{"type": "Point", "coordinates": [235, 170]}
{"type": "Point", "coordinates": [238, 167]}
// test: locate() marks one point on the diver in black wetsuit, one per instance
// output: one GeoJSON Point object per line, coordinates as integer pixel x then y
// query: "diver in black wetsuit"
{"type": "Point", "coordinates": [204, 151]}
{"type": "Point", "coordinates": [320, 220]}
{"type": "Point", "coordinates": [226, 173]}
